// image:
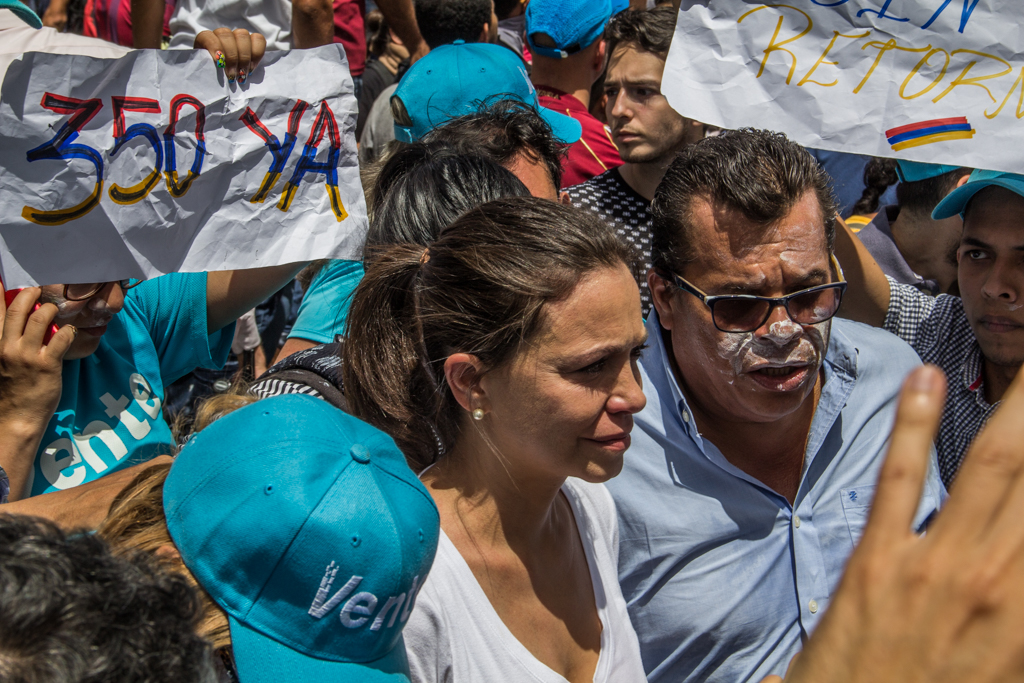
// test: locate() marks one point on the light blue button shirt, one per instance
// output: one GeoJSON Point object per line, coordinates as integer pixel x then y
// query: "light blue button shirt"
{"type": "Point", "coordinates": [722, 576]}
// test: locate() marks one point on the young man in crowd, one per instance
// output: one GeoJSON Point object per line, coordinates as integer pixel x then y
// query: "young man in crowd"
{"type": "Point", "coordinates": [910, 246]}
{"type": "Point", "coordinates": [977, 338]}
{"type": "Point", "coordinates": [441, 22]}
{"type": "Point", "coordinates": [753, 465]}
{"type": "Point", "coordinates": [647, 131]}
{"type": "Point", "coordinates": [569, 55]}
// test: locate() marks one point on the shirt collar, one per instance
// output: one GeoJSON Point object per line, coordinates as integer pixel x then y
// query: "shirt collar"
{"type": "Point", "coordinates": [973, 377]}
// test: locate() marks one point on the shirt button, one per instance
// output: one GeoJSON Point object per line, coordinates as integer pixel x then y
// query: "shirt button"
{"type": "Point", "coordinates": [796, 521]}
{"type": "Point", "coordinates": [686, 417]}
{"type": "Point", "coordinates": [813, 606]}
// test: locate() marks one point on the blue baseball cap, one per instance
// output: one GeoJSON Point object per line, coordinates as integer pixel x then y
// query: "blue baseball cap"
{"type": "Point", "coordinates": [308, 528]}
{"type": "Point", "coordinates": [913, 171]}
{"type": "Point", "coordinates": [956, 201]}
{"type": "Point", "coordinates": [457, 79]}
{"type": "Point", "coordinates": [23, 12]}
{"type": "Point", "coordinates": [572, 25]}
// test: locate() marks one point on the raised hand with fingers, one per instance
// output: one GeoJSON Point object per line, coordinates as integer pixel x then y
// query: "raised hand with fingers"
{"type": "Point", "coordinates": [30, 382]}
{"type": "Point", "coordinates": [238, 52]}
{"type": "Point", "coordinates": [947, 605]}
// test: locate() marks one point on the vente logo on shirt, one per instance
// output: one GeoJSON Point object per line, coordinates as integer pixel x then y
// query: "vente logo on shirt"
{"type": "Point", "coordinates": [65, 462]}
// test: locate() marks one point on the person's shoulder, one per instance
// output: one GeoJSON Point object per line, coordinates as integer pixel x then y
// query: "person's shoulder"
{"type": "Point", "coordinates": [598, 185]}
{"type": "Point", "coordinates": [876, 348]}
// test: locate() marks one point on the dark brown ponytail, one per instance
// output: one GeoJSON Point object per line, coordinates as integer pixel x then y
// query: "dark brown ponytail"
{"type": "Point", "coordinates": [480, 289]}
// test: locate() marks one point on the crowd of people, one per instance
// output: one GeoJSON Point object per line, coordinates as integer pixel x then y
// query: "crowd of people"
{"type": "Point", "coordinates": [613, 395]}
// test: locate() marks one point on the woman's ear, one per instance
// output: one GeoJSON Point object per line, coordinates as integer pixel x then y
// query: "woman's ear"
{"type": "Point", "coordinates": [463, 372]}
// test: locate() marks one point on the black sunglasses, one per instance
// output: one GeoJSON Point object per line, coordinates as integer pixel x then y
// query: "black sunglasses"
{"type": "Point", "coordinates": [741, 313]}
{"type": "Point", "coordinates": [91, 289]}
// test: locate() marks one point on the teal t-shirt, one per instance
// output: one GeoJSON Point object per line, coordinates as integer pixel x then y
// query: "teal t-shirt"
{"type": "Point", "coordinates": [109, 416]}
{"type": "Point", "coordinates": [324, 307]}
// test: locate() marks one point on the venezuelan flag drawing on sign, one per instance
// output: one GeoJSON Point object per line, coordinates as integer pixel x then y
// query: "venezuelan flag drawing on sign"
{"type": "Point", "coordinates": [927, 132]}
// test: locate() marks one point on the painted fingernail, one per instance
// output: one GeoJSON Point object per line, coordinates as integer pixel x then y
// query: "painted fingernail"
{"type": "Point", "coordinates": [231, 78]}
{"type": "Point", "coordinates": [218, 58]}
{"type": "Point", "coordinates": [241, 76]}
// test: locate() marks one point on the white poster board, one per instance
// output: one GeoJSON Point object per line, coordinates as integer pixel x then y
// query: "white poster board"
{"type": "Point", "coordinates": [155, 163]}
{"type": "Point", "coordinates": [939, 81]}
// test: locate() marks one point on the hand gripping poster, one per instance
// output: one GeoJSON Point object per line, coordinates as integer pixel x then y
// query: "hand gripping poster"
{"type": "Point", "coordinates": [155, 163]}
{"type": "Point", "coordinates": [938, 81]}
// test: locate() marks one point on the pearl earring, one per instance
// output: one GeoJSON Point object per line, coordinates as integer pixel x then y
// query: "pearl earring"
{"type": "Point", "coordinates": [478, 414]}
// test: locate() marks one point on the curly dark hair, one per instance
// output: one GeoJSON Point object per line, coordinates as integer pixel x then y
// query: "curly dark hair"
{"type": "Point", "coordinates": [72, 612]}
{"type": "Point", "coordinates": [442, 22]}
{"type": "Point", "coordinates": [501, 131]}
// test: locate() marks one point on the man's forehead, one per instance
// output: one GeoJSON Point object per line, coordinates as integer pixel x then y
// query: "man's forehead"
{"type": "Point", "coordinates": [995, 211]}
{"type": "Point", "coordinates": [628, 59]}
{"type": "Point", "coordinates": [724, 232]}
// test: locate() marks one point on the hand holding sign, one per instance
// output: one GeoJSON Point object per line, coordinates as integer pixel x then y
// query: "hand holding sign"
{"type": "Point", "coordinates": [238, 52]}
{"type": "Point", "coordinates": [157, 162]}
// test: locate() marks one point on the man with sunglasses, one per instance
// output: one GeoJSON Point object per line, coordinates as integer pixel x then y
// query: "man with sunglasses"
{"type": "Point", "coordinates": [754, 463]}
{"type": "Point", "coordinates": [87, 402]}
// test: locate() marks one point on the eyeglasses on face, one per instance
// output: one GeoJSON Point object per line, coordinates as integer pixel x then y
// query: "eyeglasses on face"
{"type": "Point", "coordinates": [740, 313]}
{"type": "Point", "coordinates": [90, 289]}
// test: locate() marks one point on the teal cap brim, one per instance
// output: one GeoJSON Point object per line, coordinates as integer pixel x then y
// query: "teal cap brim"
{"type": "Point", "coordinates": [914, 171]}
{"type": "Point", "coordinates": [956, 201]}
{"type": "Point", "coordinates": [23, 12]}
{"type": "Point", "coordinates": [566, 129]}
{"type": "Point", "coordinates": [261, 659]}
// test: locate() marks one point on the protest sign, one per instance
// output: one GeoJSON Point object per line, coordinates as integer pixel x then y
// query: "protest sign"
{"type": "Point", "coordinates": [155, 163]}
{"type": "Point", "coordinates": [928, 80]}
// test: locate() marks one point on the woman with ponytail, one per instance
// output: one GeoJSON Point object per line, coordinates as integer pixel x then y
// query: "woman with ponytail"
{"type": "Point", "coordinates": [502, 360]}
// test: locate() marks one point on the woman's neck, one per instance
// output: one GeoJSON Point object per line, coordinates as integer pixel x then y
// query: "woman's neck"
{"type": "Point", "coordinates": [479, 492]}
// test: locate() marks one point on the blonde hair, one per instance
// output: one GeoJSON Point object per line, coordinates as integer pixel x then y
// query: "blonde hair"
{"type": "Point", "coordinates": [136, 519]}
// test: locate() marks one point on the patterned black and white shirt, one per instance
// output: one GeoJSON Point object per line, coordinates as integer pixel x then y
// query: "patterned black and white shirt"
{"type": "Point", "coordinates": [937, 328]}
{"type": "Point", "coordinates": [624, 209]}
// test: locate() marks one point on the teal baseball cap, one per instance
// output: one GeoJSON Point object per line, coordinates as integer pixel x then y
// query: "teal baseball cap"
{"type": "Point", "coordinates": [308, 528]}
{"type": "Point", "coordinates": [561, 28]}
{"type": "Point", "coordinates": [23, 12]}
{"type": "Point", "coordinates": [956, 201]}
{"type": "Point", "coordinates": [914, 171]}
{"type": "Point", "coordinates": [455, 80]}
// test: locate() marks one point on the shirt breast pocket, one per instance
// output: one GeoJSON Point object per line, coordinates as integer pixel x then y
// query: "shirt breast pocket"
{"type": "Point", "coordinates": [856, 506]}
